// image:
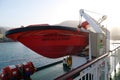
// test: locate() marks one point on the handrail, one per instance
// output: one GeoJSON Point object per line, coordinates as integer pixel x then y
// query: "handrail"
{"type": "Point", "coordinates": [116, 43]}
{"type": "Point", "coordinates": [80, 68]}
{"type": "Point", "coordinates": [115, 49]}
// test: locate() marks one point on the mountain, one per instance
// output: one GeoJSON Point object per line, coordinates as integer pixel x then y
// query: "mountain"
{"type": "Point", "coordinates": [70, 23]}
{"type": "Point", "coordinates": [3, 38]}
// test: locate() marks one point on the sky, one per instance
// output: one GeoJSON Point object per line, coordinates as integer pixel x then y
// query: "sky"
{"type": "Point", "coordinates": [14, 13]}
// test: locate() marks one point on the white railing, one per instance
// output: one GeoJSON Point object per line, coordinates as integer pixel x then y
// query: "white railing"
{"type": "Point", "coordinates": [97, 71]}
{"type": "Point", "coordinates": [114, 58]}
{"type": "Point", "coordinates": [101, 68]}
{"type": "Point", "coordinates": [89, 68]}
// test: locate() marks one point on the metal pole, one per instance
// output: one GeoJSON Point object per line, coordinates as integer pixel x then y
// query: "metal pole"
{"type": "Point", "coordinates": [115, 64]}
{"type": "Point", "coordinates": [90, 55]}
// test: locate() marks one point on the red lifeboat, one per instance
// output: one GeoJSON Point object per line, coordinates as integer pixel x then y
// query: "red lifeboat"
{"type": "Point", "coordinates": [50, 41]}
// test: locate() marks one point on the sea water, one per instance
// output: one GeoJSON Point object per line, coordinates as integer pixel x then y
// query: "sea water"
{"type": "Point", "coordinates": [12, 53]}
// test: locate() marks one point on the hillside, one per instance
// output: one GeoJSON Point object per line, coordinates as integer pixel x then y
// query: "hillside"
{"type": "Point", "coordinates": [3, 38]}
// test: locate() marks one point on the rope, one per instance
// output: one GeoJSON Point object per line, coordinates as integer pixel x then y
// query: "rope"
{"type": "Point", "coordinates": [80, 20]}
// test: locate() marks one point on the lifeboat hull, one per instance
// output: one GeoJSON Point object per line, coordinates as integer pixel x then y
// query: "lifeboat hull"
{"type": "Point", "coordinates": [50, 41]}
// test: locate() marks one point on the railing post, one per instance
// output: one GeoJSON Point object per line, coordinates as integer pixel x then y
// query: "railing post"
{"type": "Point", "coordinates": [106, 68]}
{"type": "Point", "coordinates": [115, 64]}
{"type": "Point", "coordinates": [96, 72]}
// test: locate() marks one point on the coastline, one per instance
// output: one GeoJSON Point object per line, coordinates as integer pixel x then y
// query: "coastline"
{"type": "Point", "coordinates": [6, 41]}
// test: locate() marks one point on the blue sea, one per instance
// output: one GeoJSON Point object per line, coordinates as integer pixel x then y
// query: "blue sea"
{"type": "Point", "coordinates": [12, 53]}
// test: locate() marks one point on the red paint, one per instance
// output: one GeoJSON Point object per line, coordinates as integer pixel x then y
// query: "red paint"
{"type": "Point", "coordinates": [9, 73]}
{"type": "Point", "coordinates": [84, 24]}
{"type": "Point", "coordinates": [52, 43]}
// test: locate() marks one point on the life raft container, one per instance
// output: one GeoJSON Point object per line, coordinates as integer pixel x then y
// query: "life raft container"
{"type": "Point", "coordinates": [1, 75]}
{"type": "Point", "coordinates": [18, 72]}
{"type": "Point", "coordinates": [28, 68]}
{"type": "Point", "coordinates": [9, 73]}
